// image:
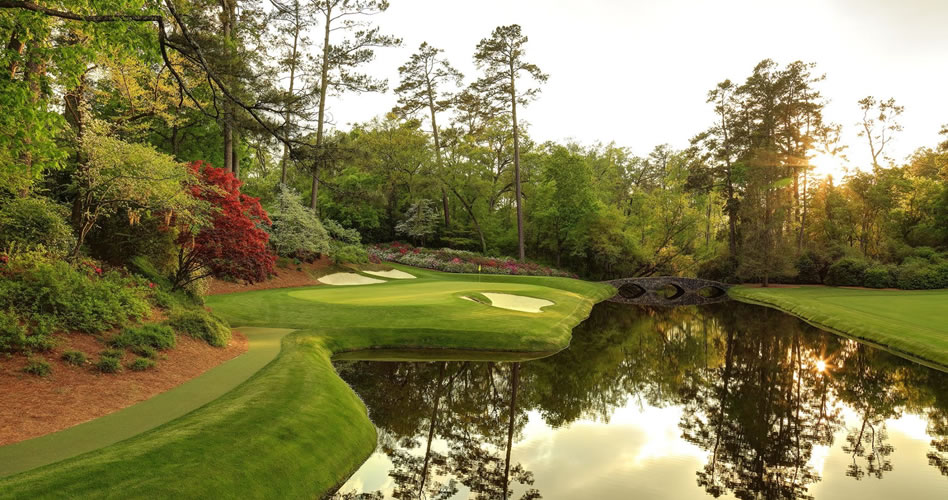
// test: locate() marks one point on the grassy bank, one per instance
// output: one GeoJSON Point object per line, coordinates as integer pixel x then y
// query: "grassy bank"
{"type": "Point", "coordinates": [912, 324]}
{"type": "Point", "coordinates": [295, 429]}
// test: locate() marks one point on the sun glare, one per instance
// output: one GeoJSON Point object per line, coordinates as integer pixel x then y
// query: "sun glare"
{"type": "Point", "coordinates": [828, 165]}
{"type": "Point", "coordinates": [820, 366]}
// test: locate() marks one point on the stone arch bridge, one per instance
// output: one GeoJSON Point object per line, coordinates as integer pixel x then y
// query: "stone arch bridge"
{"type": "Point", "coordinates": [680, 291]}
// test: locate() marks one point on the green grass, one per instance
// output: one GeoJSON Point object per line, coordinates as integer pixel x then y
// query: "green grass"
{"type": "Point", "coordinates": [912, 324]}
{"type": "Point", "coordinates": [295, 429]}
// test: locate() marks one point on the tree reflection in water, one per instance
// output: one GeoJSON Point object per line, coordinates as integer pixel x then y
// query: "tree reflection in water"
{"type": "Point", "coordinates": [757, 389]}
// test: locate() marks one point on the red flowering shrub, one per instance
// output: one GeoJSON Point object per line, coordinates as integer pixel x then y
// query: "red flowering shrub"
{"type": "Point", "coordinates": [231, 244]}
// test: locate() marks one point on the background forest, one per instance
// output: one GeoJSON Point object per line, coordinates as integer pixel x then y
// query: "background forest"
{"type": "Point", "coordinates": [112, 108]}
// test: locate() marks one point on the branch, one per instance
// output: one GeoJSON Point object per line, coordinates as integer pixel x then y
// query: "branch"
{"type": "Point", "coordinates": [34, 7]}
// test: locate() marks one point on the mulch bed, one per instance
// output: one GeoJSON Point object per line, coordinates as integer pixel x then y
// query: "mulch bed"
{"type": "Point", "coordinates": [32, 406]}
{"type": "Point", "coordinates": [285, 278]}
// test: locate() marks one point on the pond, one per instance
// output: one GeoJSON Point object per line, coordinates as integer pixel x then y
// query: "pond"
{"type": "Point", "coordinates": [728, 401]}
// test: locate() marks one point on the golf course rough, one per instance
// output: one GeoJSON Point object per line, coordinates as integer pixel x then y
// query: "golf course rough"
{"type": "Point", "coordinates": [909, 323]}
{"type": "Point", "coordinates": [295, 429]}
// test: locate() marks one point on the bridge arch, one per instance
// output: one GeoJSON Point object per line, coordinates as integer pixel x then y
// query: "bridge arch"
{"type": "Point", "coordinates": [688, 291]}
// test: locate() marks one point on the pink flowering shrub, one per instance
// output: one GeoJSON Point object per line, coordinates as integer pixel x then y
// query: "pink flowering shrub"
{"type": "Point", "coordinates": [457, 261]}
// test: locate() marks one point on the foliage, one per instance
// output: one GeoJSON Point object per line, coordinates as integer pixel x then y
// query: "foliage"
{"type": "Point", "coordinates": [38, 367]}
{"type": "Point", "coordinates": [145, 351]}
{"type": "Point", "coordinates": [848, 271]}
{"type": "Point", "coordinates": [879, 276]}
{"type": "Point", "coordinates": [12, 333]}
{"type": "Point", "coordinates": [77, 358]}
{"type": "Point", "coordinates": [918, 274]}
{"type": "Point", "coordinates": [420, 221]}
{"type": "Point", "coordinates": [130, 176]}
{"type": "Point", "coordinates": [231, 244]}
{"type": "Point", "coordinates": [159, 337]}
{"type": "Point", "coordinates": [457, 261]}
{"type": "Point", "coordinates": [345, 245]}
{"type": "Point", "coordinates": [109, 364]}
{"type": "Point", "coordinates": [296, 231]}
{"type": "Point", "coordinates": [51, 294]}
{"type": "Point", "coordinates": [30, 221]}
{"type": "Point", "coordinates": [141, 364]}
{"type": "Point", "coordinates": [202, 325]}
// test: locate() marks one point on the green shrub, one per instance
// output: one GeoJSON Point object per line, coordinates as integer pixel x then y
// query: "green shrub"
{"type": "Point", "coordinates": [26, 222]}
{"type": "Point", "coordinates": [12, 333]}
{"type": "Point", "coordinates": [926, 253]}
{"type": "Point", "coordinates": [203, 325]}
{"type": "Point", "coordinates": [145, 351]}
{"type": "Point", "coordinates": [879, 276]}
{"type": "Point", "coordinates": [848, 271]}
{"type": "Point", "coordinates": [917, 275]}
{"type": "Point", "coordinates": [941, 275]}
{"type": "Point", "coordinates": [347, 253]}
{"type": "Point", "coordinates": [112, 353]}
{"type": "Point", "coordinates": [82, 298]}
{"type": "Point", "coordinates": [74, 358]}
{"type": "Point", "coordinates": [39, 343]}
{"type": "Point", "coordinates": [141, 364]}
{"type": "Point", "coordinates": [38, 367]}
{"type": "Point", "coordinates": [160, 337]}
{"type": "Point", "coordinates": [346, 244]}
{"type": "Point", "coordinates": [109, 364]}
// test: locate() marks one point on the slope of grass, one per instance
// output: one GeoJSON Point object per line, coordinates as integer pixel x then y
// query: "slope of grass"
{"type": "Point", "coordinates": [295, 429]}
{"type": "Point", "coordinates": [912, 324]}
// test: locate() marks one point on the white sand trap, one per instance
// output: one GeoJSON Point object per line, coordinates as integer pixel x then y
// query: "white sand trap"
{"type": "Point", "coordinates": [517, 302]}
{"type": "Point", "coordinates": [394, 274]}
{"type": "Point", "coordinates": [348, 279]}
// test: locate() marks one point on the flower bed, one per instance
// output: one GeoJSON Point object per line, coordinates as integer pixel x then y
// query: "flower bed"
{"type": "Point", "coordinates": [457, 261]}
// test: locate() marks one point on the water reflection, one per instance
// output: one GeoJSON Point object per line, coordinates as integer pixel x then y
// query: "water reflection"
{"type": "Point", "coordinates": [748, 402]}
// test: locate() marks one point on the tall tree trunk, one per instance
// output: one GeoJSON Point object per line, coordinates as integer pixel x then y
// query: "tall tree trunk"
{"type": "Point", "coordinates": [516, 141]}
{"type": "Point", "coordinates": [35, 71]}
{"type": "Point", "coordinates": [515, 381]}
{"type": "Point", "coordinates": [432, 424]}
{"type": "Point", "coordinates": [228, 15]}
{"type": "Point", "coordinates": [437, 145]}
{"type": "Point", "coordinates": [321, 120]}
{"type": "Point", "coordinates": [235, 157]}
{"type": "Point", "coordinates": [288, 116]}
{"type": "Point", "coordinates": [707, 233]}
{"type": "Point", "coordinates": [803, 216]}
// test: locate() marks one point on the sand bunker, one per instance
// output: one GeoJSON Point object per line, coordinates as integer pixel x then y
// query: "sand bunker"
{"type": "Point", "coordinates": [394, 274]}
{"type": "Point", "coordinates": [348, 279]}
{"type": "Point", "coordinates": [517, 302]}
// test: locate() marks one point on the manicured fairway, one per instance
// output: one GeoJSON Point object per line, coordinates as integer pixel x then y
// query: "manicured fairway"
{"type": "Point", "coordinates": [912, 324]}
{"type": "Point", "coordinates": [295, 430]}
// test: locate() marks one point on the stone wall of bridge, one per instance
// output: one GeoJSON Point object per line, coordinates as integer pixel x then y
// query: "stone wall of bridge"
{"type": "Point", "coordinates": [649, 291]}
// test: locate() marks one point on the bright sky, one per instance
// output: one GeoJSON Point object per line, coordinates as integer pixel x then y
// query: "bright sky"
{"type": "Point", "coordinates": [637, 72]}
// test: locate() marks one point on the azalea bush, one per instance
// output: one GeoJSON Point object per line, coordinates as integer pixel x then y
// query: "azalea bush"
{"type": "Point", "coordinates": [43, 295]}
{"type": "Point", "coordinates": [458, 261]}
